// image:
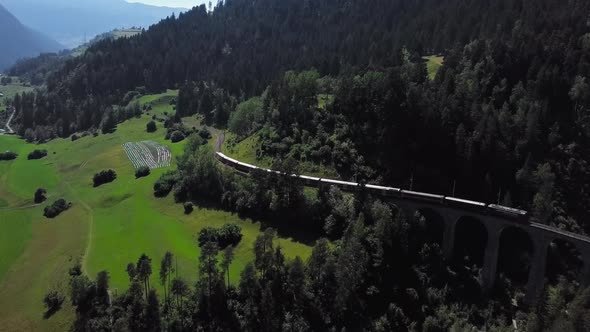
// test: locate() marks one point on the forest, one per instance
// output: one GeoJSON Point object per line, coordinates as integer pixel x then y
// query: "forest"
{"type": "Point", "coordinates": [505, 120]}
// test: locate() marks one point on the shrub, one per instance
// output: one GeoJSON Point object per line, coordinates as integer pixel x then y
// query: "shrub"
{"type": "Point", "coordinates": [229, 234]}
{"type": "Point", "coordinates": [40, 195]}
{"type": "Point", "coordinates": [75, 138]}
{"type": "Point", "coordinates": [53, 301]}
{"type": "Point", "coordinates": [177, 136]}
{"type": "Point", "coordinates": [205, 134]}
{"type": "Point", "coordinates": [141, 172]}
{"type": "Point", "coordinates": [8, 155]}
{"type": "Point", "coordinates": [56, 208]}
{"type": "Point", "coordinates": [75, 270]}
{"type": "Point", "coordinates": [104, 177]}
{"type": "Point", "coordinates": [37, 154]}
{"type": "Point", "coordinates": [208, 234]}
{"type": "Point", "coordinates": [165, 183]}
{"type": "Point", "coordinates": [188, 208]}
{"type": "Point", "coordinates": [151, 127]}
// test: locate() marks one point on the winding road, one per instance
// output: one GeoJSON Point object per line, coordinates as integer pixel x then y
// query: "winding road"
{"type": "Point", "coordinates": [220, 138]}
{"type": "Point", "coordinates": [8, 128]}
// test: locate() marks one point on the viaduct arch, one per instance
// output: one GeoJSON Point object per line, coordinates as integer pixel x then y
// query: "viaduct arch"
{"type": "Point", "coordinates": [540, 235]}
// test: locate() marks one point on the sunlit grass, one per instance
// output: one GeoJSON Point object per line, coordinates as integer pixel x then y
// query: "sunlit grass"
{"type": "Point", "coordinates": [112, 224]}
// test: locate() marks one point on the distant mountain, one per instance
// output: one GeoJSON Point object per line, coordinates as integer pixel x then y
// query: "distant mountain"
{"type": "Point", "coordinates": [18, 41]}
{"type": "Point", "coordinates": [70, 22]}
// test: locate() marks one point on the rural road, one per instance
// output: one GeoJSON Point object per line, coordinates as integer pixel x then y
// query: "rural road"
{"type": "Point", "coordinates": [10, 131]}
{"type": "Point", "coordinates": [8, 128]}
{"type": "Point", "coordinates": [220, 138]}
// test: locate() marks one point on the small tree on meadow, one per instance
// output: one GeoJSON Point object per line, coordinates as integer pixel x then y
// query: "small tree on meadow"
{"type": "Point", "coordinates": [40, 195]}
{"type": "Point", "coordinates": [141, 172]}
{"type": "Point", "coordinates": [151, 127]}
{"type": "Point", "coordinates": [53, 301]}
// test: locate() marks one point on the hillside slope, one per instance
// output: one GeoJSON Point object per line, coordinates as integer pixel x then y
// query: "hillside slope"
{"type": "Point", "coordinates": [19, 41]}
{"type": "Point", "coordinates": [70, 22]}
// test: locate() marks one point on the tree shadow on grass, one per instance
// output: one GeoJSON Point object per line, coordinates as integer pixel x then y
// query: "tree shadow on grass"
{"type": "Point", "coordinates": [51, 311]}
{"type": "Point", "coordinates": [288, 225]}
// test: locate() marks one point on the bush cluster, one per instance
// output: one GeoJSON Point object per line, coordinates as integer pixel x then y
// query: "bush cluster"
{"type": "Point", "coordinates": [141, 172]}
{"type": "Point", "coordinates": [104, 177]}
{"type": "Point", "coordinates": [151, 126]}
{"type": "Point", "coordinates": [165, 183]}
{"type": "Point", "coordinates": [56, 208]}
{"type": "Point", "coordinates": [177, 136]}
{"type": "Point", "coordinates": [37, 154]}
{"type": "Point", "coordinates": [40, 195]}
{"type": "Point", "coordinates": [188, 208]}
{"type": "Point", "coordinates": [205, 134]}
{"type": "Point", "coordinates": [53, 300]}
{"type": "Point", "coordinates": [229, 234]}
{"type": "Point", "coordinates": [8, 155]}
{"type": "Point", "coordinates": [172, 128]}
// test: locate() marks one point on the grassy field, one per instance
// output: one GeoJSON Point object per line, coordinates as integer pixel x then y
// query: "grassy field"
{"type": "Point", "coordinates": [433, 64]}
{"type": "Point", "coordinates": [126, 33]}
{"type": "Point", "coordinates": [106, 228]}
{"type": "Point", "coordinates": [12, 89]}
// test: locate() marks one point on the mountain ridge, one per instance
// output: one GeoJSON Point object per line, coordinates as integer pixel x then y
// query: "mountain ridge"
{"type": "Point", "coordinates": [20, 41]}
{"type": "Point", "coordinates": [71, 23]}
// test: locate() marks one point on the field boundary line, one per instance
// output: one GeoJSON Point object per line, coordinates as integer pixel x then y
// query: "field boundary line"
{"type": "Point", "coordinates": [90, 210]}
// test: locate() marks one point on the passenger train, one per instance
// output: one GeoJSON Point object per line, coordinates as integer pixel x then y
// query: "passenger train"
{"type": "Point", "coordinates": [493, 209]}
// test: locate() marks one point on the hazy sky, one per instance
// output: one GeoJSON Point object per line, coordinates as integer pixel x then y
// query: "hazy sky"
{"type": "Point", "coordinates": [172, 3]}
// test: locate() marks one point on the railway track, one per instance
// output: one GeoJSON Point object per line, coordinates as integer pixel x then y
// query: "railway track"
{"type": "Point", "coordinates": [515, 215]}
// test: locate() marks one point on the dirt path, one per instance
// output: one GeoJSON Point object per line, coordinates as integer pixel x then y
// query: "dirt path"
{"type": "Point", "coordinates": [8, 128]}
{"type": "Point", "coordinates": [7, 125]}
{"type": "Point", "coordinates": [23, 207]}
{"type": "Point", "coordinates": [90, 227]}
{"type": "Point", "coordinates": [90, 235]}
{"type": "Point", "coordinates": [220, 138]}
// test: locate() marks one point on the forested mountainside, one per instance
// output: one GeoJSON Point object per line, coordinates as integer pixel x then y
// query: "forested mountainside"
{"type": "Point", "coordinates": [19, 41]}
{"type": "Point", "coordinates": [509, 104]}
{"type": "Point", "coordinates": [342, 84]}
{"type": "Point", "coordinates": [242, 45]}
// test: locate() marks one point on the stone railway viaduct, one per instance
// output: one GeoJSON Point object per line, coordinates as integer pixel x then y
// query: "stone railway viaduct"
{"type": "Point", "coordinates": [541, 236]}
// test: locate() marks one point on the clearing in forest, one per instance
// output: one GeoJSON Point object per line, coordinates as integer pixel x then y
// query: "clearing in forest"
{"type": "Point", "coordinates": [433, 64]}
{"type": "Point", "coordinates": [148, 153]}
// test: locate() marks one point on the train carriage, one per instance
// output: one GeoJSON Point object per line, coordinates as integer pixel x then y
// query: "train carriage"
{"type": "Point", "coordinates": [383, 191]}
{"type": "Point", "coordinates": [465, 204]}
{"type": "Point", "coordinates": [492, 209]}
{"type": "Point", "coordinates": [422, 196]}
{"type": "Point", "coordinates": [346, 186]}
{"type": "Point", "coordinates": [504, 211]}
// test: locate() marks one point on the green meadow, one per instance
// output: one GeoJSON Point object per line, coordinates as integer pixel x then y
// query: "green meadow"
{"type": "Point", "coordinates": [9, 90]}
{"type": "Point", "coordinates": [106, 228]}
{"type": "Point", "coordinates": [433, 64]}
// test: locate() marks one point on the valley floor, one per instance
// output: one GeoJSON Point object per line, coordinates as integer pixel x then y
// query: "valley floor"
{"type": "Point", "coordinates": [106, 228]}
